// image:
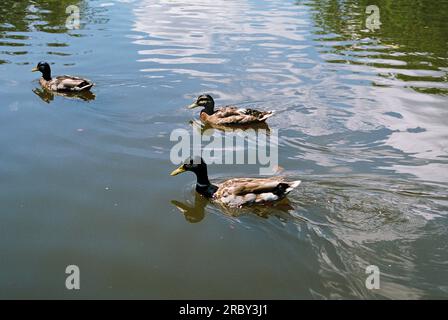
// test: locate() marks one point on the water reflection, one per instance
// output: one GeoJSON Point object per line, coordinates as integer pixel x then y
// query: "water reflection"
{"type": "Point", "coordinates": [361, 118]}
{"type": "Point", "coordinates": [48, 96]}
{"type": "Point", "coordinates": [408, 50]}
{"type": "Point", "coordinates": [35, 15]}
{"type": "Point", "coordinates": [329, 77]}
{"type": "Point", "coordinates": [211, 42]}
{"type": "Point", "coordinates": [207, 129]}
{"type": "Point", "coordinates": [38, 28]}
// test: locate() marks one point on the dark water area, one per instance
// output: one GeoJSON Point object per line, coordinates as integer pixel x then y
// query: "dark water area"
{"type": "Point", "coordinates": [362, 120]}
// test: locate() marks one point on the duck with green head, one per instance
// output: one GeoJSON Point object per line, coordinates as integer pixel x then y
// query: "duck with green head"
{"type": "Point", "coordinates": [61, 83]}
{"type": "Point", "coordinates": [228, 115]}
{"type": "Point", "coordinates": [237, 192]}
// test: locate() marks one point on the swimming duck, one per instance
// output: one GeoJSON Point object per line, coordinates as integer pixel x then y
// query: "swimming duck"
{"type": "Point", "coordinates": [61, 83]}
{"type": "Point", "coordinates": [228, 115]}
{"type": "Point", "coordinates": [237, 192]}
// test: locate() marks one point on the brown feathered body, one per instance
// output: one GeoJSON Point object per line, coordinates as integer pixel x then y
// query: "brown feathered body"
{"type": "Point", "coordinates": [66, 84]}
{"type": "Point", "coordinates": [230, 115]}
{"type": "Point", "coordinates": [239, 192]}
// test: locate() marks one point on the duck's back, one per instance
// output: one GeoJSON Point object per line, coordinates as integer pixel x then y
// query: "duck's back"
{"type": "Point", "coordinates": [231, 115]}
{"type": "Point", "coordinates": [67, 83]}
{"type": "Point", "coordinates": [245, 191]}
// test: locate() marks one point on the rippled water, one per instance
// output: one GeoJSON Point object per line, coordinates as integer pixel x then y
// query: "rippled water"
{"type": "Point", "coordinates": [362, 120]}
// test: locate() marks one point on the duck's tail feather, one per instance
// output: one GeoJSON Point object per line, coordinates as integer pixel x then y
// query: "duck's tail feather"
{"type": "Point", "coordinates": [293, 185]}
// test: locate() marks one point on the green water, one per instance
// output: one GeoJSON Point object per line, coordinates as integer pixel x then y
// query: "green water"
{"type": "Point", "coordinates": [362, 120]}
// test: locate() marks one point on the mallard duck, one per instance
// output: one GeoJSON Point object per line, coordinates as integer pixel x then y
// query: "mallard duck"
{"type": "Point", "coordinates": [61, 83]}
{"type": "Point", "coordinates": [228, 115]}
{"type": "Point", "coordinates": [237, 192]}
{"type": "Point", "coordinates": [208, 128]}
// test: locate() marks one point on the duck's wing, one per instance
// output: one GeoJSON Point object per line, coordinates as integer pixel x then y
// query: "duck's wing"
{"type": "Point", "coordinates": [71, 83]}
{"type": "Point", "coordinates": [243, 191]}
{"type": "Point", "coordinates": [239, 116]}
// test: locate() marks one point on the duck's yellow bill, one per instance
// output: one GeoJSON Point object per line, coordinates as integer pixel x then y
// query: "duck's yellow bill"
{"type": "Point", "coordinates": [193, 105]}
{"type": "Point", "coordinates": [34, 70]}
{"type": "Point", "coordinates": [178, 171]}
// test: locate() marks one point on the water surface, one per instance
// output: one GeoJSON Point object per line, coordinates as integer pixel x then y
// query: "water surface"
{"type": "Point", "coordinates": [362, 120]}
